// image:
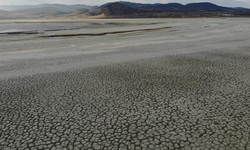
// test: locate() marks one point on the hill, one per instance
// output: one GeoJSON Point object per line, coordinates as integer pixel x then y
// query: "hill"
{"type": "Point", "coordinates": [173, 10]}
{"type": "Point", "coordinates": [58, 7]}
{"type": "Point", "coordinates": [156, 6]}
{"type": "Point", "coordinates": [177, 6]}
{"type": "Point", "coordinates": [121, 9]}
{"type": "Point", "coordinates": [206, 6]}
{"type": "Point", "coordinates": [114, 9]}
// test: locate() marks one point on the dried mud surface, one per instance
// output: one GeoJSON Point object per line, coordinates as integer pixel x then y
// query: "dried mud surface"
{"type": "Point", "coordinates": [184, 87]}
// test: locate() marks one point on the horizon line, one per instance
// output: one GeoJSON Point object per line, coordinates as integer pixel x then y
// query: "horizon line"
{"type": "Point", "coordinates": [125, 1]}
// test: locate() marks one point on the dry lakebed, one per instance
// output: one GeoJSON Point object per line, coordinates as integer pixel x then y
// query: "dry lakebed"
{"type": "Point", "coordinates": [125, 84]}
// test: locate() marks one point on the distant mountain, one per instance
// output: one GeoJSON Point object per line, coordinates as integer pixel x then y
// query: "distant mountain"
{"type": "Point", "coordinates": [45, 12]}
{"type": "Point", "coordinates": [81, 11]}
{"type": "Point", "coordinates": [40, 11]}
{"type": "Point", "coordinates": [2, 11]}
{"type": "Point", "coordinates": [156, 6]}
{"type": "Point", "coordinates": [120, 9]}
{"type": "Point", "coordinates": [4, 15]}
{"type": "Point", "coordinates": [140, 6]}
{"type": "Point", "coordinates": [114, 9]}
{"type": "Point", "coordinates": [166, 6]}
{"type": "Point", "coordinates": [139, 10]}
{"type": "Point", "coordinates": [129, 4]}
{"type": "Point", "coordinates": [58, 7]}
{"type": "Point", "coordinates": [176, 6]}
{"type": "Point", "coordinates": [205, 6]}
{"type": "Point", "coordinates": [240, 8]}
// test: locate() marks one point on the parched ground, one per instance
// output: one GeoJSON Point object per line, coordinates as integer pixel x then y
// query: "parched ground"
{"type": "Point", "coordinates": [169, 89]}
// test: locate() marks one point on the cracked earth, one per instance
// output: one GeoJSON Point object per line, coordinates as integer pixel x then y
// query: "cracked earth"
{"type": "Point", "coordinates": [176, 94]}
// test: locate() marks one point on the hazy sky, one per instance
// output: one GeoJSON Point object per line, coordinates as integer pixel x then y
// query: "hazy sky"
{"type": "Point", "coordinates": [231, 3]}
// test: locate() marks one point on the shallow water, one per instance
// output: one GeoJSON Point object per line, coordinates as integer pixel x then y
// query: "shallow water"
{"type": "Point", "coordinates": [12, 30]}
{"type": "Point", "coordinates": [7, 27]}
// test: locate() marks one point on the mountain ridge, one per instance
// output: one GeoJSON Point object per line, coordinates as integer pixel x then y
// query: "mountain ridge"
{"type": "Point", "coordinates": [59, 7]}
{"type": "Point", "coordinates": [114, 9]}
{"type": "Point", "coordinates": [160, 6]}
{"type": "Point", "coordinates": [157, 6]}
{"type": "Point", "coordinates": [123, 9]}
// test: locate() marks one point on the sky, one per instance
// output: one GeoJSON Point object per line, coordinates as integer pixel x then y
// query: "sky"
{"type": "Point", "coordinates": [230, 3]}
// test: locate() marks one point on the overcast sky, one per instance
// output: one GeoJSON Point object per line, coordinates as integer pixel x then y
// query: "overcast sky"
{"type": "Point", "coordinates": [231, 3]}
